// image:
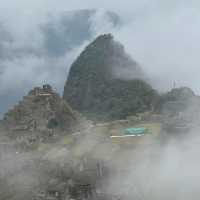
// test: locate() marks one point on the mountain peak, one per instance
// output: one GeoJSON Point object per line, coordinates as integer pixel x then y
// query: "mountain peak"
{"type": "Point", "coordinates": [104, 79]}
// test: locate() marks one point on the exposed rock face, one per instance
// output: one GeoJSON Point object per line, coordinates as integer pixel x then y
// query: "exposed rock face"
{"type": "Point", "coordinates": [105, 83]}
{"type": "Point", "coordinates": [41, 110]}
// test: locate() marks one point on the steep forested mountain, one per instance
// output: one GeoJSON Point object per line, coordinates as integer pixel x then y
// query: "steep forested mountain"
{"type": "Point", "coordinates": [100, 84]}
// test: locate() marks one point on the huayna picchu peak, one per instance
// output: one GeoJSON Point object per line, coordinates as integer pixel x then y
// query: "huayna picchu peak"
{"type": "Point", "coordinates": [106, 83]}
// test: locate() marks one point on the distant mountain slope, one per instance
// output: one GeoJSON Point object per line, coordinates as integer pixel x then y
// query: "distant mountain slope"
{"type": "Point", "coordinates": [94, 85]}
{"type": "Point", "coordinates": [175, 101]}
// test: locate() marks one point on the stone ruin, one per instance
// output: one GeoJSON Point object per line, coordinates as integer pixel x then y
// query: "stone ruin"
{"type": "Point", "coordinates": [40, 115]}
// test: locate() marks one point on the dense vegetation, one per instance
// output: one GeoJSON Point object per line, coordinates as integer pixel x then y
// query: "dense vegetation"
{"type": "Point", "coordinates": [94, 88]}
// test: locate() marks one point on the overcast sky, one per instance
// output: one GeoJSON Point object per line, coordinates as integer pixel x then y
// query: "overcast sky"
{"type": "Point", "coordinates": [162, 35]}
